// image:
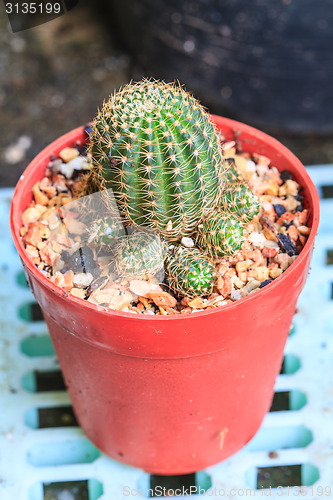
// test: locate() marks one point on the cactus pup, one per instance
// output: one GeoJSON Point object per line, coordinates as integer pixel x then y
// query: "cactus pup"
{"type": "Point", "coordinates": [238, 199]}
{"type": "Point", "coordinates": [140, 254]}
{"type": "Point", "coordinates": [190, 272]}
{"type": "Point", "coordinates": [220, 235]}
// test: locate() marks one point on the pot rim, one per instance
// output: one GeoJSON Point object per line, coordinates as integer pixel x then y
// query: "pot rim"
{"type": "Point", "coordinates": [72, 136]}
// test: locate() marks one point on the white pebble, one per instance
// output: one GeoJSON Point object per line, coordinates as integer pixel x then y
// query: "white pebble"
{"type": "Point", "coordinates": [271, 244]}
{"type": "Point", "coordinates": [251, 166]}
{"type": "Point", "coordinates": [252, 285]}
{"type": "Point", "coordinates": [237, 282]}
{"type": "Point", "coordinates": [79, 163]}
{"type": "Point", "coordinates": [66, 169]}
{"type": "Point", "coordinates": [82, 280]}
{"type": "Point", "coordinates": [55, 165]}
{"type": "Point", "coordinates": [261, 170]}
{"type": "Point", "coordinates": [78, 292]}
{"type": "Point", "coordinates": [187, 242]}
{"type": "Point", "coordinates": [236, 294]}
{"type": "Point", "coordinates": [258, 240]}
{"type": "Point", "coordinates": [228, 145]}
{"type": "Point", "coordinates": [267, 206]}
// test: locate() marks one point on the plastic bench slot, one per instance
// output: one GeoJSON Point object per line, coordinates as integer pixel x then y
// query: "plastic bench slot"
{"type": "Point", "coordinates": [59, 416]}
{"type": "Point", "coordinates": [37, 345]}
{"type": "Point", "coordinates": [327, 191]}
{"type": "Point", "coordinates": [43, 381]}
{"type": "Point", "coordinates": [291, 364]}
{"type": "Point", "coordinates": [49, 381]}
{"type": "Point", "coordinates": [89, 489]}
{"type": "Point", "coordinates": [21, 279]}
{"type": "Point", "coordinates": [189, 484]}
{"type": "Point", "coordinates": [158, 483]}
{"type": "Point", "coordinates": [31, 312]}
{"type": "Point", "coordinates": [280, 402]}
{"type": "Point", "coordinates": [75, 490]}
{"type": "Point", "coordinates": [304, 474]}
{"type": "Point", "coordinates": [329, 257]}
{"type": "Point", "coordinates": [288, 401]}
{"type": "Point", "coordinates": [284, 475]}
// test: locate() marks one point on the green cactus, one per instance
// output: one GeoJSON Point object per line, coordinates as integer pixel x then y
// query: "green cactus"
{"type": "Point", "coordinates": [139, 254]}
{"type": "Point", "coordinates": [190, 273]}
{"type": "Point", "coordinates": [237, 198]}
{"type": "Point", "coordinates": [222, 234]}
{"type": "Point", "coordinates": [155, 146]}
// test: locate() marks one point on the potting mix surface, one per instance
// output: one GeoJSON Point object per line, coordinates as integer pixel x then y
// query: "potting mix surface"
{"type": "Point", "coordinates": [60, 237]}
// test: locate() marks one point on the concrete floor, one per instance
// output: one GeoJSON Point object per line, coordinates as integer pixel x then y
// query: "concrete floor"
{"type": "Point", "coordinates": [53, 78]}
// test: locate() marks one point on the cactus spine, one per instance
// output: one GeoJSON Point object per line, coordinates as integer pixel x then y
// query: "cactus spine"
{"type": "Point", "coordinates": [190, 272]}
{"type": "Point", "coordinates": [155, 146]}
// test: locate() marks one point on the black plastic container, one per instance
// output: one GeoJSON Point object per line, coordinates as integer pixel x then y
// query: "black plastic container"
{"type": "Point", "coordinates": [268, 63]}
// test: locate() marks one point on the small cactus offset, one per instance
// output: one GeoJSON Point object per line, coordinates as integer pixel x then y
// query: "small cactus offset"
{"type": "Point", "coordinates": [237, 198]}
{"type": "Point", "coordinates": [230, 172]}
{"type": "Point", "coordinates": [190, 273]}
{"type": "Point", "coordinates": [222, 234]}
{"type": "Point", "coordinates": [140, 254]}
{"type": "Point", "coordinates": [158, 150]}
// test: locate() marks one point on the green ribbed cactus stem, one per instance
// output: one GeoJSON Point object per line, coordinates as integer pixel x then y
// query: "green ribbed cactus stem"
{"type": "Point", "coordinates": [237, 198]}
{"type": "Point", "coordinates": [222, 234]}
{"type": "Point", "coordinates": [140, 254]}
{"type": "Point", "coordinates": [155, 146]}
{"type": "Point", "coordinates": [190, 273]}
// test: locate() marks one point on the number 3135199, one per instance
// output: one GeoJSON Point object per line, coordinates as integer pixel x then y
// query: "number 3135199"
{"type": "Point", "coordinates": [33, 8]}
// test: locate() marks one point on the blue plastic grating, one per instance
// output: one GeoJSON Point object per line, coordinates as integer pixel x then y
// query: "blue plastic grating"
{"type": "Point", "coordinates": [44, 455]}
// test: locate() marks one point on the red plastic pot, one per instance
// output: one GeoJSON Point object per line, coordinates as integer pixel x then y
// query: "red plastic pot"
{"type": "Point", "coordinates": [172, 394]}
